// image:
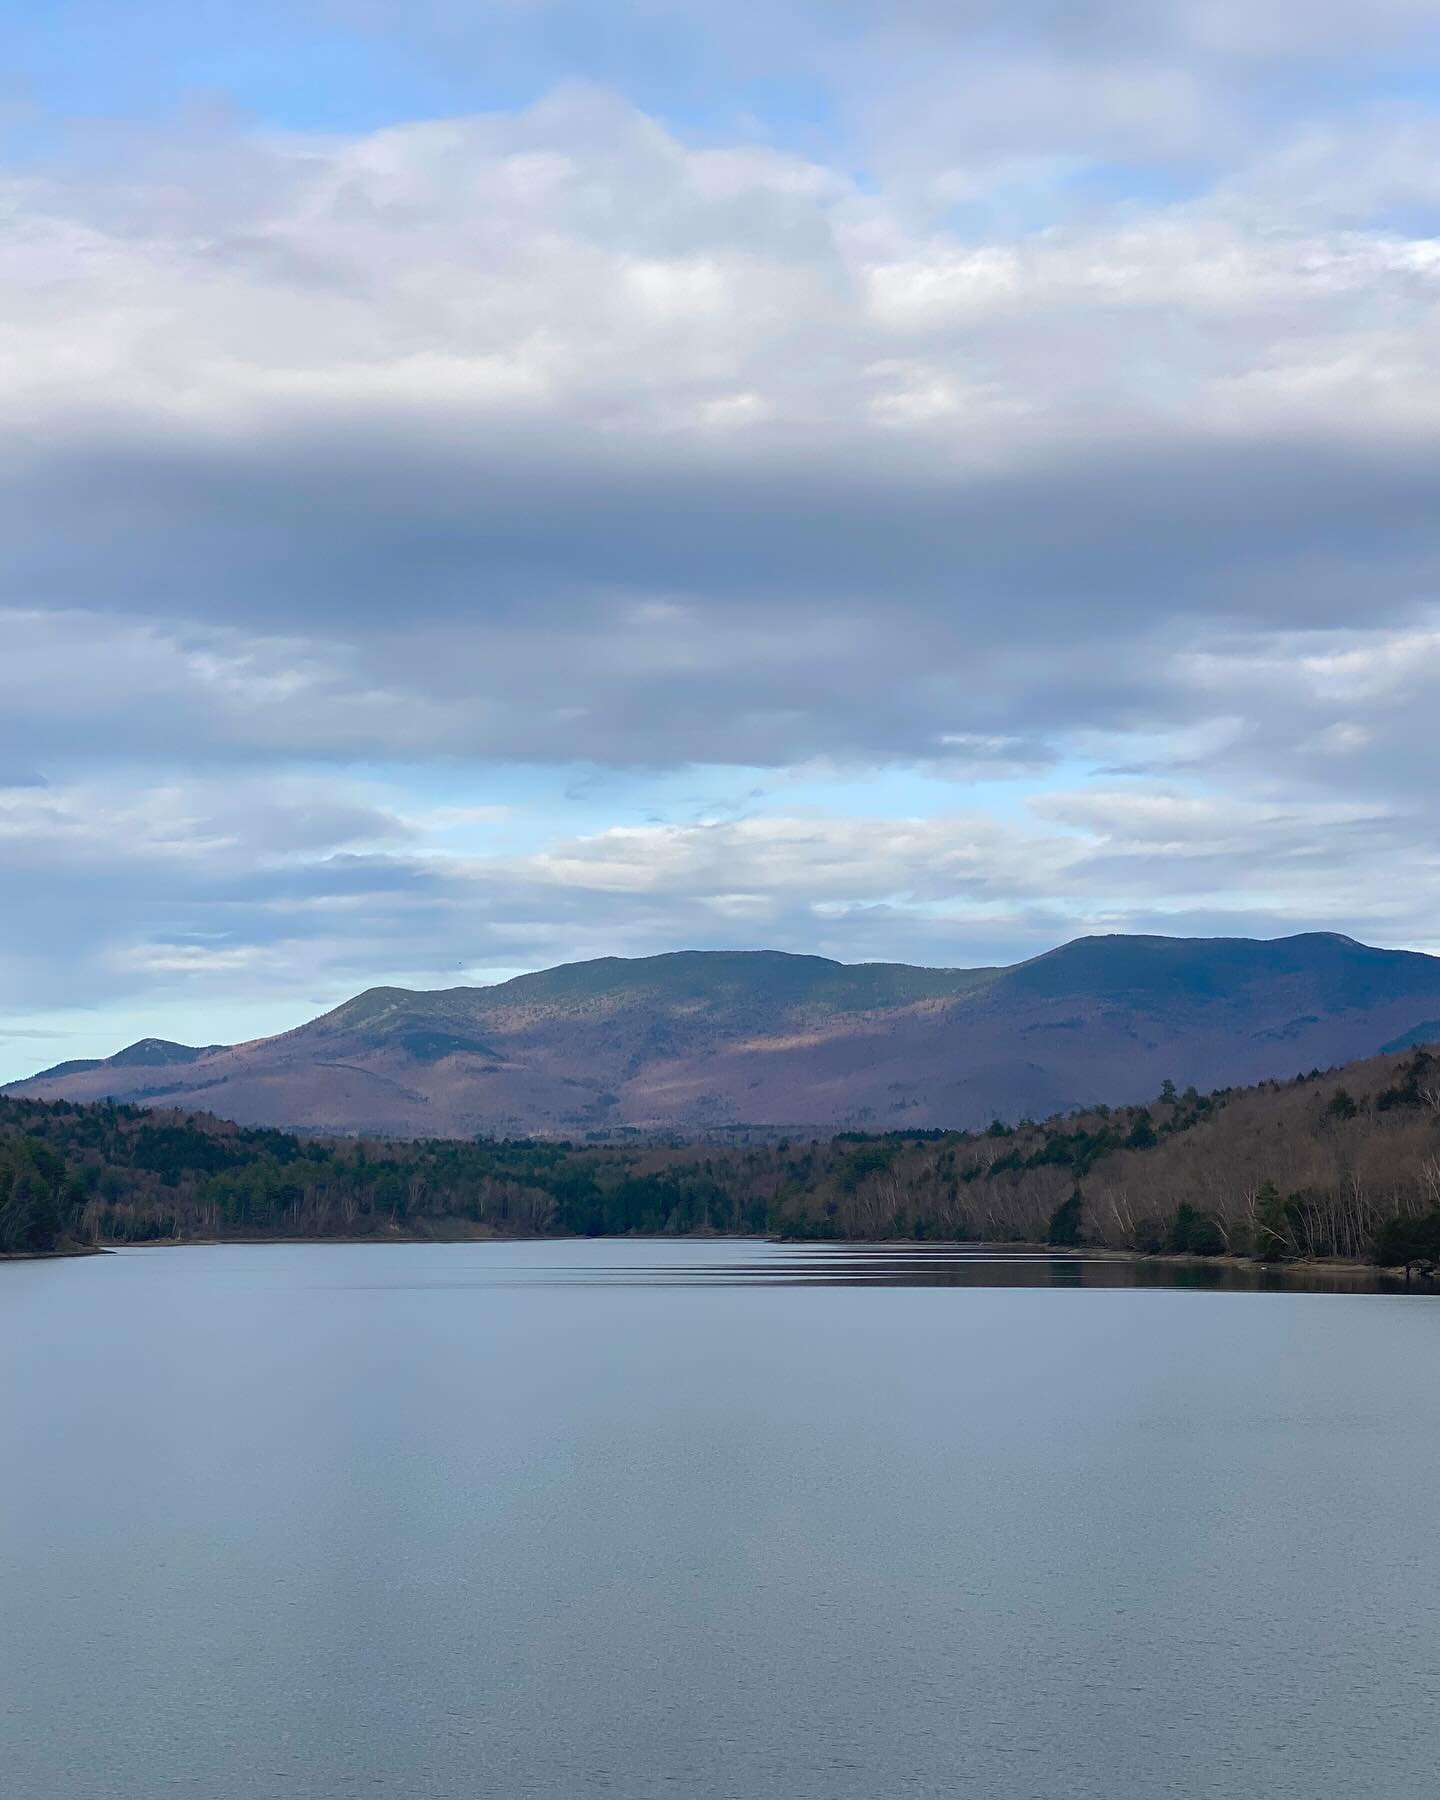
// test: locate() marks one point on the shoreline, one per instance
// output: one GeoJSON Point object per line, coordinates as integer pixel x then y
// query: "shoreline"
{"type": "Point", "coordinates": [59, 1251]}
{"type": "Point", "coordinates": [1334, 1267]}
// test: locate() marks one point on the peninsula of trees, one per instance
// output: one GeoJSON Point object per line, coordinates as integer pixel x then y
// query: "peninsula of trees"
{"type": "Point", "coordinates": [1344, 1164]}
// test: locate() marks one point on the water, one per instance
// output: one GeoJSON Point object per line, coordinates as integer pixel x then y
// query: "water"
{"type": "Point", "coordinates": [707, 1520]}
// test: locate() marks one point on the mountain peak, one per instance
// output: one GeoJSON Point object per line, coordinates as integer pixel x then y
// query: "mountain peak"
{"type": "Point", "coordinates": [704, 1041]}
{"type": "Point", "coordinates": [144, 1053]}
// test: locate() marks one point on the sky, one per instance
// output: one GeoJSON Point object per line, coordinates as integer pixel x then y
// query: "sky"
{"type": "Point", "coordinates": [488, 484]}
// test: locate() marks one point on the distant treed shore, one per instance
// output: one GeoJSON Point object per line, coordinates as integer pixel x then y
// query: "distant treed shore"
{"type": "Point", "coordinates": [1344, 1164]}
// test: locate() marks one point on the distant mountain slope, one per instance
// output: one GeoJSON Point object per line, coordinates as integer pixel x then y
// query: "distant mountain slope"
{"type": "Point", "coordinates": [148, 1053]}
{"type": "Point", "coordinates": [702, 1041]}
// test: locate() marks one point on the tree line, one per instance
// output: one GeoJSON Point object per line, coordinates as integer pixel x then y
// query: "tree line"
{"type": "Point", "coordinates": [1343, 1164]}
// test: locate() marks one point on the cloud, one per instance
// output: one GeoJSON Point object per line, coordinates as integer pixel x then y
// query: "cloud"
{"type": "Point", "coordinates": [210, 896]}
{"type": "Point", "coordinates": [1058, 416]}
{"type": "Point", "coordinates": [994, 109]}
{"type": "Point", "coordinates": [547, 435]}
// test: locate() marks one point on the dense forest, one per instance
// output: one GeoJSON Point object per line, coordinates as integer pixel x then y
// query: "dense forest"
{"type": "Point", "coordinates": [42, 1197]}
{"type": "Point", "coordinates": [1343, 1164]}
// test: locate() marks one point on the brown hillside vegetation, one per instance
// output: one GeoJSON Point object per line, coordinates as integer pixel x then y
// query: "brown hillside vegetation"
{"type": "Point", "coordinates": [711, 1043]}
{"type": "Point", "coordinates": [1305, 1168]}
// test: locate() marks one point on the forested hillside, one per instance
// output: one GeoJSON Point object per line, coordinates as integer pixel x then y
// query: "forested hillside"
{"type": "Point", "coordinates": [1323, 1165]}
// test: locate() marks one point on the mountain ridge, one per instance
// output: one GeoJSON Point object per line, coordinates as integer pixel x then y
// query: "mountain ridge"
{"type": "Point", "coordinates": [703, 1042]}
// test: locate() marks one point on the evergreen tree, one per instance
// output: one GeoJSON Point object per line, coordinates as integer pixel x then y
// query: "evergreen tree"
{"type": "Point", "coordinates": [1272, 1227]}
{"type": "Point", "coordinates": [1067, 1222]}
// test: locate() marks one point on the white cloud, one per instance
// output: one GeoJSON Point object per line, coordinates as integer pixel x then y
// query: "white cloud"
{"type": "Point", "coordinates": [575, 260]}
{"type": "Point", "coordinates": [556, 436]}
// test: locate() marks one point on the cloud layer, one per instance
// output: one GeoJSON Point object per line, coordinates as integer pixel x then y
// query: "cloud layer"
{"type": "Point", "coordinates": [1046, 421]}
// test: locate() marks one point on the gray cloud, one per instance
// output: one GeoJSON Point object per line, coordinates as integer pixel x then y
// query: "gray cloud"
{"type": "Point", "coordinates": [552, 438]}
{"type": "Point", "coordinates": [695, 616]}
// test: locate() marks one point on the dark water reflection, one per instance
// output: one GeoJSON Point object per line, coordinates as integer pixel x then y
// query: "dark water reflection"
{"type": "Point", "coordinates": [718, 1262]}
{"type": "Point", "coordinates": [711, 1521]}
{"type": "Point", "coordinates": [949, 1266]}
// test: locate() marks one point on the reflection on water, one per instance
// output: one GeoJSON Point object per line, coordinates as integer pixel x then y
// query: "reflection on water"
{"type": "Point", "coordinates": [713, 1263]}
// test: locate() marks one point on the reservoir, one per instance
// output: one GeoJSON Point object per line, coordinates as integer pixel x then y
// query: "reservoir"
{"type": "Point", "coordinates": [711, 1520]}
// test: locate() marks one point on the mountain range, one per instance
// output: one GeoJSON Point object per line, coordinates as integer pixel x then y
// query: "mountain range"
{"type": "Point", "coordinates": [717, 1042]}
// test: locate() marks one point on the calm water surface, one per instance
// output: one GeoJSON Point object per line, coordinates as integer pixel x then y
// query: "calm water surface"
{"type": "Point", "coordinates": [726, 1522]}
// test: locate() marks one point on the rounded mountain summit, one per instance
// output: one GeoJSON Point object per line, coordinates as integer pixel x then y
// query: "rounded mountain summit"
{"type": "Point", "coordinates": [698, 1042]}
